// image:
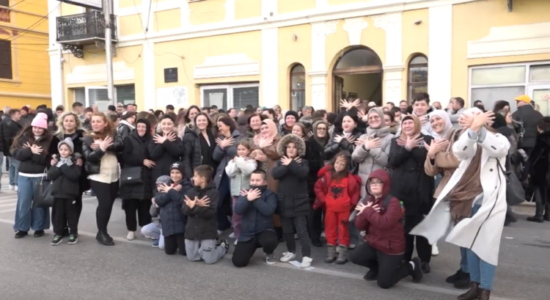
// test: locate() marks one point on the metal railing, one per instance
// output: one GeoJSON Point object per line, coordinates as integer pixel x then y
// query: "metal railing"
{"type": "Point", "coordinates": [90, 25]}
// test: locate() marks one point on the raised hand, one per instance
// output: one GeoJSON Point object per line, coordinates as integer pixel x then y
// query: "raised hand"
{"type": "Point", "coordinates": [106, 143]}
{"type": "Point", "coordinates": [338, 138]}
{"type": "Point", "coordinates": [158, 139]}
{"type": "Point", "coordinates": [171, 136]}
{"type": "Point", "coordinates": [189, 202]}
{"type": "Point", "coordinates": [373, 143]}
{"type": "Point", "coordinates": [36, 149]}
{"type": "Point", "coordinates": [204, 201]}
{"type": "Point", "coordinates": [482, 119]}
{"type": "Point", "coordinates": [285, 161]}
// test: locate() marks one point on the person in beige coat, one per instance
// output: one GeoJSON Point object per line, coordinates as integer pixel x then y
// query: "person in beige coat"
{"type": "Point", "coordinates": [442, 163]}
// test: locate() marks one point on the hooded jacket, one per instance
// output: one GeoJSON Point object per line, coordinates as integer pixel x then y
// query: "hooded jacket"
{"type": "Point", "coordinates": [385, 231]}
{"type": "Point", "coordinates": [292, 192]}
{"type": "Point", "coordinates": [173, 221]}
{"type": "Point", "coordinates": [257, 215]}
{"type": "Point", "coordinates": [332, 148]}
{"type": "Point", "coordinates": [29, 162]}
{"type": "Point", "coordinates": [410, 183]}
{"type": "Point", "coordinates": [201, 221]}
{"type": "Point", "coordinates": [322, 188]}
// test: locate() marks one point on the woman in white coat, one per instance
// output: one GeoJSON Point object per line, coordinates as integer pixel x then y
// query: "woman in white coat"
{"type": "Point", "coordinates": [482, 154]}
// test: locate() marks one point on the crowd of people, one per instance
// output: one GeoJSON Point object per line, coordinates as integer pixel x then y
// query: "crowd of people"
{"type": "Point", "coordinates": [377, 182]}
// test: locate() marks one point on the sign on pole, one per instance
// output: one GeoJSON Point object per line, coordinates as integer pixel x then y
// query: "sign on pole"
{"type": "Point", "coordinates": [96, 4]}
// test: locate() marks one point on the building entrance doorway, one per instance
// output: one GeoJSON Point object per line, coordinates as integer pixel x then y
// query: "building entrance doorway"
{"type": "Point", "coordinates": [358, 73]}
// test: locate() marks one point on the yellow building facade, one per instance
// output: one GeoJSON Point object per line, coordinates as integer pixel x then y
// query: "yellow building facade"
{"type": "Point", "coordinates": [310, 52]}
{"type": "Point", "coordinates": [24, 60]}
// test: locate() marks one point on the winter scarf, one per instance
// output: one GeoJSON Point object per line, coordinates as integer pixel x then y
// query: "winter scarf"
{"type": "Point", "coordinates": [381, 131]}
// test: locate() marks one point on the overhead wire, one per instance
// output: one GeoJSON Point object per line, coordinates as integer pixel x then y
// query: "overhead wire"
{"type": "Point", "coordinates": [42, 19]}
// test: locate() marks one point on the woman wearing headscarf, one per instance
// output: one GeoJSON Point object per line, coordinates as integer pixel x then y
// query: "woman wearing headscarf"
{"type": "Point", "coordinates": [291, 117]}
{"type": "Point", "coordinates": [265, 151]}
{"type": "Point", "coordinates": [373, 147]}
{"type": "Point", "coordinates": [315, 155]}
{"type": "Point", "coordinates": [411, 185]}
{"type": "Point", "coordinates": [136, 198]}
{"type": "Point", "coordinates": [441, 163]}
{"type": "Point", "coordinates": [479, 205]}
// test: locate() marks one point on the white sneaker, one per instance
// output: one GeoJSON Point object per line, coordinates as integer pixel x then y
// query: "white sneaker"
{"type": "Point", "coordinates": [11, 187]}
{"type": "Point", "coordinates": [232, 235]}
{"type": "Point", "coordinates": [15, 188]}
{"type": "Point", "coordinates": [351, 246]}
{"type": "Point", "coordinates": [306, 262]}
{"type": "Point", "coordinates": [287, 256]}
{"type": "Point", "coordinates": [323, 235]}
{"type": "Point", "coordinates": [131, 235]}
{"type": "Point", "coordinates": [235, 243]}
{"type": "Point", "coordinates": [220, 232]}
{"type": "Point", "coordinates": [435, 250]}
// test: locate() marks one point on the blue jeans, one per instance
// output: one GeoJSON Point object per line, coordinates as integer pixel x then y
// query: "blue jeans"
{"type": "Point", "coordinates": [13, 170]}
{"type": "Point", "coordinates": [26, 216]}
{"type": "Point", "coordinates": [464, 260]}
{"type": "Point", "coordinates": [480, 271]}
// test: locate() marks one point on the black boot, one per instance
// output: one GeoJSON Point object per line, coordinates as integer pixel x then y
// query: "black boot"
{"type": "Point", "coordinates": [104, 239]}
{"type": "Point", "coordinates": [463, 282]}
{"type": "Point", "coordinates": [472, 294]}
{"type": "Point", "coordinates": [539, 208]}
{"type": "Point", "coordinates": [426, 268]}
{"type": "Point", "coordinates": [484, 294]}
{"type": "Point", "coordinates": [546, 216]}
{"type": "Point", "coordinates": [454, 277]}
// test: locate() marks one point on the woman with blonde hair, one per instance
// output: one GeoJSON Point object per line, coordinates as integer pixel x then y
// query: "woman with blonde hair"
{"type": "Point", "coordinates": [100, 148]}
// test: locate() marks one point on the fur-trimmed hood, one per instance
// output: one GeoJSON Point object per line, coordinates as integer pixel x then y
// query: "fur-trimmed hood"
{"type": "Point", "coordinates": [291, 138]}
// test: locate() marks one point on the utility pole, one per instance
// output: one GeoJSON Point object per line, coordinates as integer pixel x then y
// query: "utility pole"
{"type": "Point", "coordinates": [108, 51]}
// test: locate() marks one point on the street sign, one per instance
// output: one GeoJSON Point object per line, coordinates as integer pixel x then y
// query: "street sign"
{"type": "Point", "coordinates": [95, 4]}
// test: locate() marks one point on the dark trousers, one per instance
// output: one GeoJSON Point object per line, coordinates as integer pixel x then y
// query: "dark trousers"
{"type": "Point", "coordinates": [224, 192]}
{"type": "Point", "coordinates": [315, 223]}
{"type": "Point", "coordinates": [390, 268]}
{"type": "Point", "coordinates": [423, 247]}
{"type": "Point", "coordinates": [78, 205]}
{"type": "Point", "coordinates": [173, 243]}
{"type": "Point", "coordinates": [139, 207]}
{"type": "Point", "coordinates": [106, 194]}
{"type": "Point", "coordinates": [300, 224]}
{"type": "Point", "coordinates": [542, 205]}
{"type": "Point", "coordinates": [66, 211]}
{"type": "Point", "coordinates": [266, 240]}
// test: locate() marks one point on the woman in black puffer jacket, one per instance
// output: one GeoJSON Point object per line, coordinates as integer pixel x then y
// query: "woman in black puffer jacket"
{"type": "Point", "coordinates": [100, 155]}
{"type": "Point", "coordinates": [137, 197]}
{"type": "Point", "coordinates": [165, 148]}
{"type": "Point", "coordinates": [315, 155]}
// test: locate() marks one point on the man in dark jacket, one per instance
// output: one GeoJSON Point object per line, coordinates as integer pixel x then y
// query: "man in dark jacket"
{"type": "Point", "coordinates": [530, 118]}
{"type": "Point", "coordinates": [10, 129]}
{"type": "Point", "coordinates": [256, 206]}
{"type": "Point", "coordinates": [26, 116]}
{"type": "Point", "coordinates": [539, 172]}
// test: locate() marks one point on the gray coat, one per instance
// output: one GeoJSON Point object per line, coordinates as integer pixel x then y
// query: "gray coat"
{"type": "Point", "coordinates": [454, 117]}
{"type": "Point", "coordinates": [223, 156]}
{"type": "Point", "coordinates": [371, 160]}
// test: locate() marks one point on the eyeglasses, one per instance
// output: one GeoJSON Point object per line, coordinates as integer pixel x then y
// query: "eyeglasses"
{"type": "Point", "coordinates": [376, 183]}
{"type": "Point", "coordinates": [321, 128]}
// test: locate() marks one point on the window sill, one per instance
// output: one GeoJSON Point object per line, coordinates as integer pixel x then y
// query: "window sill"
{"type": "Point", "coordinates": [10, 80]}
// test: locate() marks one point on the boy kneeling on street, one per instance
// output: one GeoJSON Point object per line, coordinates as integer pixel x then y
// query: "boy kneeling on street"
{"type": "Point", "coordinates": [200, 208]}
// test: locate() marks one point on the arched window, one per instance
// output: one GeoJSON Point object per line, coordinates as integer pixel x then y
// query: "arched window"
{"type": "Point", "coordinates": [418, 76]}
{"type": "Point", "coordinates": [297, 87]}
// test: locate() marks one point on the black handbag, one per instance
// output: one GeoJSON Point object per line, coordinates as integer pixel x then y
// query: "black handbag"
{"type": "Point", "coordinates": [515, 194]}
{"type": "Point", "coordinates": [131, 175]}
{"type": "Point", "coordinates": [42, 196]}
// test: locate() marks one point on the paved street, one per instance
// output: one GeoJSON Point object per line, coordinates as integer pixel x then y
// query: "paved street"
{"type": "Point", "coordinates": [32, 269]}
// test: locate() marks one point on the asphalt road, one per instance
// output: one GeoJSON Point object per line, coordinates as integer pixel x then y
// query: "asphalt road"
{"type": "Point", "coordinates": [32, 269]}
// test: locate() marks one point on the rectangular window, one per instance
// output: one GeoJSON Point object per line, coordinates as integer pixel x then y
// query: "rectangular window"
{"type": "Point", "coordinates": [498, 75]}
{"type": "Point", "coordinates": [230, 96]}
{"type": "Point", "coordinates": [5, 60]}
{"type": "Point", "coordinates": [5, 12]}
{"type": "Point", "coordinates": [490, 95]}
{"type": "Point", "coordinates": [539, 73]}
{"type": "Point", "coordinates": [125, 94]}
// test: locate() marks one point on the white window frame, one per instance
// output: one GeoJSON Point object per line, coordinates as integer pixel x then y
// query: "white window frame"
{"type": "Point", "coordinates": [229, 90]}
{"type": "Point", "coordinates": [529, 92]}
{"type": "Point", "coordinates": [526, 84]}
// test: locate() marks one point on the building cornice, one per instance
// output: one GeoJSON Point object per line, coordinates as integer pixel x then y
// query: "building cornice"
{"type": "Point", "coordinates": [25, 95]}
{"type": "Point", "coordinates": [323, 14]}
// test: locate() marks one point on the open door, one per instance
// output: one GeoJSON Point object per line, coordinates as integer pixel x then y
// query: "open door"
{"type": "Point", "coordinates": [338, 92]}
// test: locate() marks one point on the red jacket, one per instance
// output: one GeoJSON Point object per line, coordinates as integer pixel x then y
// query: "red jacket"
{"type": "Point", "coordinates": [321, 189]}
{"type": "Point", "coordinates": [385, 231]}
